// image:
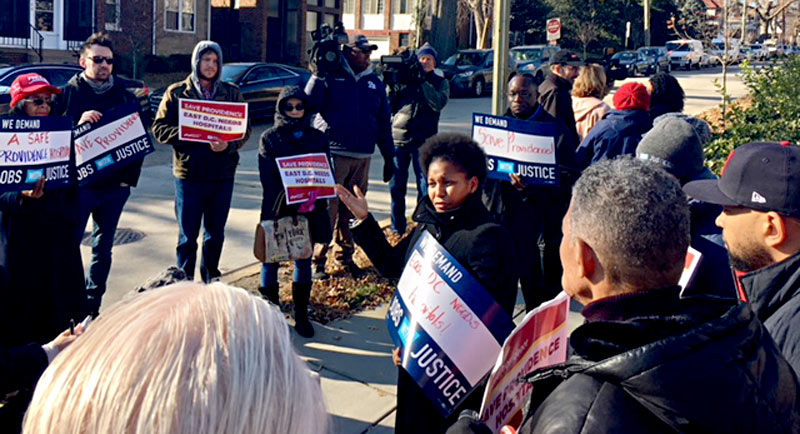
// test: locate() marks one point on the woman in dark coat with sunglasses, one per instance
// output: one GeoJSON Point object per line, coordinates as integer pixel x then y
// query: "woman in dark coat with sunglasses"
{"type": "Point", "coordinates": [44, 284]}
{"type": "Point", "coordinates": [291, 134]}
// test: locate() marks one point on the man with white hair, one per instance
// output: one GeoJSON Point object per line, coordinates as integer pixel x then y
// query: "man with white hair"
{"type": "Point", "coordinates": [647, 360]}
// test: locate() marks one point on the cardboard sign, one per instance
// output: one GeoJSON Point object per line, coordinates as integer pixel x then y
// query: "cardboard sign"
{"type": "Point", "coordinates": [116, 141]}
{"type": "Point", "coordinates": [33, 148]}
{"type": "Point", "coordinates": [539, 341]}
{"type": "Point", "coordinates": [447, 324]}
{"type": "Point", "coordinates": [199, 120]}
{"type": "Point", "coordinates": [515, 146]}
{"type": "Point", "coordinates": [305, 176]}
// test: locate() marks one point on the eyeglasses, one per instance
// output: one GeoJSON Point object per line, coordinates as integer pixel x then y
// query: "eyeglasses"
{"type": "Point", "coordinates": [38, 102]}
{"type": "Point", "coordinates": [288, 107]}
{"type": "Point", "coordinates": [100, 59]}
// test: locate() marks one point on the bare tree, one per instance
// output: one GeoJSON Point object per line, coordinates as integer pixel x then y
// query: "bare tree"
{"type": "Point", "coordinates": [587, 32]}
{"type": "Point", "coordinates": [482, 15]}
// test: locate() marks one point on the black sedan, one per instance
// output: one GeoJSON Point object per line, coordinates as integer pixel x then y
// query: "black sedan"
{"type": "Point", "coordinates": [59, 75]}
{"type": "Point", "coordinates": [629, 64]}
{"type": "Point", "coordinates": [260, 83]}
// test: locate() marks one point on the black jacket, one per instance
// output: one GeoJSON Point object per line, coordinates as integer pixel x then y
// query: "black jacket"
{"type": "Point", "coordinates": [483, 247]}
{"type": "Point", "coordinates": [650, 362]}
{"type": "Point", "coordinates": [713, 276]}
{"type": "Point", "coordinates": [555, 95]}
{"type": "Point", "coordinates": [774, 293]}
{"type": "Point", "coordinates": [78, 97]}
{"type": "Point", "coordinates": [416, 109]}
{"type": "Point", "coordinates": [286, 138]}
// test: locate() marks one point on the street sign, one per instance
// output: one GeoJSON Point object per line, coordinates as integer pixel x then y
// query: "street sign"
{"type": "Point", "coordinates": [553, 29]}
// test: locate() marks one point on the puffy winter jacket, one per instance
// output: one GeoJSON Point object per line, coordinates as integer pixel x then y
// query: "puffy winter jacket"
{"type": "Point", "coordinates": [416, 109]}
{"type": "Point", "coordinates": [617, 134]}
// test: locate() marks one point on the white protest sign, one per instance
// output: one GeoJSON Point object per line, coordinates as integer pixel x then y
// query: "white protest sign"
{"type": "Point", "coordinates": [200, 121]}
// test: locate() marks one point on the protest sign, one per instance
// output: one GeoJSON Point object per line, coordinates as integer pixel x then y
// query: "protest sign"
{"type": "Point", "coordinates": [515, 146]}
{"type": "Point", "coordinates": [690, 264]}
{"type": "Point", "coordinates": [34, 148]}
{"type": "Point", "coordinates": [539, 341]}
{"type": "Point", "coordinates": [116, 141]}
{"type": "Point", "coordinates": [305, 176]}
{"type": "Point", "coordinates": [199, 121]}
{"type": "Point", "coordinates": [439, 316]}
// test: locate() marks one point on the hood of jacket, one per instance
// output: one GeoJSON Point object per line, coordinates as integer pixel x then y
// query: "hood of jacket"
{"type": "Point", "coordinates": [583, 106]}
{"type": "Point", "coordinates": [469, 215]}
{"type": "Point", "coordinates": [771, 287]}
{"type": "Point", "coordinates": [630, 117]}
{"type": "Point", "coordinates": [197, 53]}
{"type": "Point", "coordinates": [281, 119]}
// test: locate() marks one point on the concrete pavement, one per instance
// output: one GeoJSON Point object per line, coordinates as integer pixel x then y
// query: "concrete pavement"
{"type": "Point", "coordinates": [352, 355]}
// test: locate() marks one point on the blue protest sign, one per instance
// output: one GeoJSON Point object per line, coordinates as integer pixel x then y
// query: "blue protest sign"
{"type": "Point", "coordinates": [116, 141]}
{"type": "Point", "coordinates": [516, 146]}
{"type": "Point", "coordinates": [439, 316]}
{"type": "Point", "coordinates": [32, 148]}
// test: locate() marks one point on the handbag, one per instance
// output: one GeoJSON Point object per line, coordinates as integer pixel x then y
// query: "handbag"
{"type": "Point", "coordinates": [284, 239]}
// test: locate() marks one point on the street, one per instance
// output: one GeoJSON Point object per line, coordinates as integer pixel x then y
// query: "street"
{"type": "Point", "coordinates": [149, 231]}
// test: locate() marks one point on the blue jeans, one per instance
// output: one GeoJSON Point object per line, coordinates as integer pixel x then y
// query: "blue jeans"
{"type": "Point", "coordinates": [105, 206]}
{"type": "Point", "coordinates": [302, 272]}
{"type": "Point", "coordinates": [209, 202]}
{"type": "Point", "coordinates": [403, 155]}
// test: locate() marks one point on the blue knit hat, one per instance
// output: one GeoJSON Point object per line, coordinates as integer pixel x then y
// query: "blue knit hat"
{"type": "Point", "coordinates": [427, 50]}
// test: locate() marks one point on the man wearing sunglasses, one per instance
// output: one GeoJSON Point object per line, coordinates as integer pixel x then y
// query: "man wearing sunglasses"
{"type": "Point", "coordinates": [353, 104]}
{"type": "Point", "coordinates": [85, 98]}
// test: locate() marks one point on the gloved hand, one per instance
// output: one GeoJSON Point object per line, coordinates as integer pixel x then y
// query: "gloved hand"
{"type": "Point", "coordinates": [312, 64]}
{"type": "Point", "coordinates": [388, 170]}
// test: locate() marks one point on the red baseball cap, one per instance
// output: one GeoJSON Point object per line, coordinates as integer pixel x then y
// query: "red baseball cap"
{"type": "Point", "coordinates": [28, 84]}
{"type": "Point", "coordinates": [632, 96]}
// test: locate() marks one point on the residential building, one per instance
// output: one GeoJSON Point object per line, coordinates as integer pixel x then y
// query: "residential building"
{"type": "Point", "coordinates": [389, 24]}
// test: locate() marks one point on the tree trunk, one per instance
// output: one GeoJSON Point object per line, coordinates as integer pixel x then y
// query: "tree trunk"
{"type": "Point", "coordinates": [443, 22]}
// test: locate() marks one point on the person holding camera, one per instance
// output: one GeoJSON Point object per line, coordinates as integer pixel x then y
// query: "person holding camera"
{"type": "Point", "coordinates": [352, 101]}
{"type": "Point", "coordinates": [416, 104]}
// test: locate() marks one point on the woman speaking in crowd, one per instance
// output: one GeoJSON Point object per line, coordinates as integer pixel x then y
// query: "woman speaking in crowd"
{"type": "Point", "coordinates": [44, 287]}
{"type": "Point", "coordinates": [454, 214]}
{"type": "Point", "coordinates": [291, 135]}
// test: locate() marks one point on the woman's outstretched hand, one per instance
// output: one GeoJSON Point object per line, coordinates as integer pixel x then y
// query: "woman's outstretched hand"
{"type": "Point", "coordinates": [357, 204]}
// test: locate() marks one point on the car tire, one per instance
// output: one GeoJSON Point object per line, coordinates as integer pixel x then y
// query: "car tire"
{"type": "Point", "coordinates": [478, 87]}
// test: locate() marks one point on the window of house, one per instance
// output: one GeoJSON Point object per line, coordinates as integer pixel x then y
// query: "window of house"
{"type": "Point", "coordinates": [331, 19]}
{"type": "Point", "coordinates": [312, 21]}
{"type": "Point", "coordinates": [349, 7]}
{"type": "Point", "coordinates": [44, 15]}
{"type": "Point", "coordinates": [372, 7]}
{"type": "Point", "coordinates": [403, 6]}
{"type": "Point", "coordinates": [179, 15]}
{"type": "Point", "coordinates": [331, 4]}
{"type": "Point", "coordinates": [113, 14]}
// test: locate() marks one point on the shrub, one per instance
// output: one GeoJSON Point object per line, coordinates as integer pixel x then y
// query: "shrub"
{"type": "Point", "coordinates": [774, 114]}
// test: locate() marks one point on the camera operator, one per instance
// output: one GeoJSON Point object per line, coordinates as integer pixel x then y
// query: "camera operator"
{"type": "Point", "coordinates": [352, 101]}
{"type": "Point", "coordinates": [417, 100]}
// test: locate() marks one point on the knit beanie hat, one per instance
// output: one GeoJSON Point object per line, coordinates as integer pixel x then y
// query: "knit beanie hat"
{"type": "Point", "coordinates": [427, 50]}
{"type": "Point", "coordinates": [675, 143]}
{"type": "Point", "coordinates": [632, 96]}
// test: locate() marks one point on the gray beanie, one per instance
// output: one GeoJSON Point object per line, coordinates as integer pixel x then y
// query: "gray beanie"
{"type": "Point", "coordinates": [676, 142]}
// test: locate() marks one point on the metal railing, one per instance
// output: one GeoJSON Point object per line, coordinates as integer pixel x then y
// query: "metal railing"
{"type": "Point", "coordinates": [34, 42]}
{"type": "Point", "coordinates": [38, 50]}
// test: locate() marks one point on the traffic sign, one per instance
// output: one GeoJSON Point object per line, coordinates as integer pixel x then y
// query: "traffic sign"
{"type": "Point", "coordinates": [553, 29]}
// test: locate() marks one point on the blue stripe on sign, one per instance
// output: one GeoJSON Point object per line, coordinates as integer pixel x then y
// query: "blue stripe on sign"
{"type": "Point", "coordinates": [505, 166]}
{"type": "Point", "coordinates": [33, 175]}
{"type": "Point", "coordinates": [104, 162]}
{"type": "Point", "coordinates": [473, 293]}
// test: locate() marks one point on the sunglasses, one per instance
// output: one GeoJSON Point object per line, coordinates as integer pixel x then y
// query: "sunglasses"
{"type": "Point", "coordinates": [100, 59]}
{"type": "Point", "coordinates": [289, 107]}
{"type": "Point", "coordinates": [38, 102]}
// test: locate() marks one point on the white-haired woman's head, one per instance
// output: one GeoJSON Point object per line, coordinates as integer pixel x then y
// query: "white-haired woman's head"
{"type": "Point", "coordinates": [187, 358]}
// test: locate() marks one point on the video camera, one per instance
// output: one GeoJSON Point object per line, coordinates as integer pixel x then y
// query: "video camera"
{"type": "Point", "coordinates": [403, 68]}
{"type": "Point", "coordinates": [326, 53]}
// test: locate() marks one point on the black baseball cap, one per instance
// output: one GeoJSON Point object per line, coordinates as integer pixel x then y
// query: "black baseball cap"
{"type": "Point", "coordinates": [566, 57]}
{"type": "Point", "coordinates": [764, 176]}
{"type": "Point", "coordinates": [361, 42]}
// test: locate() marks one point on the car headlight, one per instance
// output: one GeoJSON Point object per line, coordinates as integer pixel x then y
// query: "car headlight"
{"type": "Point", "coordinates": [529, 67]}
{"type": "Point", "coordinates": [466, 73]}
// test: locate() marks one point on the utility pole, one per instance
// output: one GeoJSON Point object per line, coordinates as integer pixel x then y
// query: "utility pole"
{"type": "Point", "coordinates": [501, 12]}
{"type": "Point", "coordinates": [646, 23]}
{"type": "Point", "coordinates": [744, 23]}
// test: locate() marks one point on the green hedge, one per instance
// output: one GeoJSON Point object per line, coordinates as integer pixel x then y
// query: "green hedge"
{"type": "Point", "coordinates": [773, 116]}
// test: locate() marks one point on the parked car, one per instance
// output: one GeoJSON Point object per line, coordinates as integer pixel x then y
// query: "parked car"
{"type": "Point", "coordinates": [260, 83]}
{"type": "Point", "coordinates": [685, 53]}
{"type": "Point", "coordinates": [657, 56]}
{"type": "Point", "coordinates": [533, 59]}
{"type": "Point", "coordinates": [629, 64]}
{"type": "Point", "coordinates": [470, 72]}
{"type": "Point", "coordinates": [717, 51]}
{"type": "Point", "coordinates": [59, 75]}
{"type": "Point", "coordinates": [756, 52]}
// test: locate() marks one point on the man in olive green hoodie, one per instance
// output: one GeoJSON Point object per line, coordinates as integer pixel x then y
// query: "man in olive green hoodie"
{"type": "Point", "coordinates": [203, 172]}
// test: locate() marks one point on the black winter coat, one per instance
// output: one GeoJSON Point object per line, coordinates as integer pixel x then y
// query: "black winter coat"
{"type": "Point", "coordinates": [652, 363]}
{"type": "Point", "coordinates": [482, 247]}
{"type": "Point", "coordinates": [555, 95]}
{"type": "Point", "coordinates": [774, 293]}
{"type": "Point", "coordinates": [616, 134]}
{"type": "Point", "coordinates": [286, 138]}
{"type": "Point", "coordinates": [78, 97]}
{"type": "Point", "coordinates": [416, 109]}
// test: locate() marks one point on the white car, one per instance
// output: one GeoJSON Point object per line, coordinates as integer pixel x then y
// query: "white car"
{"type": "Point", "coordinates": [685, 53]}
